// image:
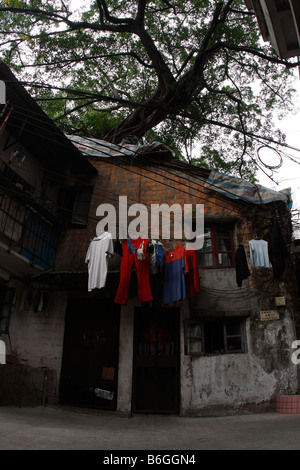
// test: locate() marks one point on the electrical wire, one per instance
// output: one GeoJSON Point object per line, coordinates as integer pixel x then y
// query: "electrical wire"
{"type": "Point", "coordinates": [270, 167]}
{"type": "Point", "coordinates": [202, 180]}
{"type": "Point", "coordinates": [46, 118]}
{"type": "Point", "coordinates": [117, 159]}
{"type": "Point", "coordinates": [118, 162]}
{"type": "Point", "coordinates": [47, 122]}
{"type": "Point", "coordinates": [142, 175]}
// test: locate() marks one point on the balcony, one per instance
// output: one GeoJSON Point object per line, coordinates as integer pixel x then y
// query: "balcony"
{"type": "Point", "coordinates": [28, 233]}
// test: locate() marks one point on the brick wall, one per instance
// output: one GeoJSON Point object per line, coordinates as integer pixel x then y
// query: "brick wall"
{"type": "Point", "coordinates": [147, 184]}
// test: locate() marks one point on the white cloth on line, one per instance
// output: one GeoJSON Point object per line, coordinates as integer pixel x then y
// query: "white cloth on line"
{"type": "Point", "coordinates": [99, 250]}
{"type": "Point", "coordinates": [259, 254]}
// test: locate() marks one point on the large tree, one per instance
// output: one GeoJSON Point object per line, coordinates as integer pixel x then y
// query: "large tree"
{"type": "Point", "coordinates": [193, 74]}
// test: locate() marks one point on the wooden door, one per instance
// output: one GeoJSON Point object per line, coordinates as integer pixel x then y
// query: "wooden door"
{"type": "Point", "coordinates": [90, 354]}
{"type": "Point", "coordinates": [156, 361]}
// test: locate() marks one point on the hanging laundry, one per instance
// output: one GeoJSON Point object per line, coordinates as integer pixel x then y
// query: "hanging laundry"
{"type": "Point", "coordinates": [259, 256]}
{"type": "Point", "coordinates": [175, 268]}
{"type": "Point", "coordinates": [37, 301]}
{"type": "Point", "coordinates": [192, 278]}
{"type": "Point", "coordinates": [118, 249]}
{"type": "Point", "coordinates": [159, 254]}
{"type": "Point", "coordinates": [142, 271]}
{"type": "Point", "coordinates": [100, 249]}
{"type": "Point", "coordinates": [242, 269]}
{"type": "Point", "coordinates": [156, 256]}
{"type": "Point", "coordinates": [40, 301]}
{"type": "Point", "coordinates": [131, 248]}
{"type": "Point", "coordinates": [141, 251]}
{"type": "Point", "coordinates": [278, 251]}
{"type": "Point", "coordinates": [150, 248]}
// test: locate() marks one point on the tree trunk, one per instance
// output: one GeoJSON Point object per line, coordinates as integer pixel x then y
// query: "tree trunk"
{"type": "Point", "coordinates": [157, 108]}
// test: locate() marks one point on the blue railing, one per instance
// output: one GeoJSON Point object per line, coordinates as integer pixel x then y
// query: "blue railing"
{"type": "Point", "coordinates": [26, 231]}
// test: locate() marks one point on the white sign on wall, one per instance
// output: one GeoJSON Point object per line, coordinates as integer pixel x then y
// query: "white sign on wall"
{"type": "Point", "coordinates": [266, 315]}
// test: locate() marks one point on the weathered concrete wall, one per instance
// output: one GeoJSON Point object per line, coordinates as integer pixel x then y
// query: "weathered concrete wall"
{"type": "Point", "coordinates": [222, 384]}
{"type": "Point", "coordinates": [37, 336]}
{"type": "Point", "coordinates": [125, 357]}
{"type": "Point", "coordinates": [35, 345]}
{"type": "Point", "coordinates": [231, 383]}
{"type": "Point", "coordinates": [22, 385]}
{"type": "Point", "coordinates": [209, 384]}
{"type": "Point", "coordinates": [219, 291]}
{"type": "Point", "coordinates": [226, 383]}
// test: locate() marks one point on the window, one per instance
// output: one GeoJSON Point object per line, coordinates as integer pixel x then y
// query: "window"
{"type": "Point", "coordinates": [39, 241]}
{"type": "Point", "coordinates": [215, 336]}
{"type": "Point", "coordinates": [193, 338]}
{"type": "Point", "coordinates": [81, 207]}
{"type": "Point", "coordinates": [74, 205]}
{"type": "Point", "coordinates": [218, 248]}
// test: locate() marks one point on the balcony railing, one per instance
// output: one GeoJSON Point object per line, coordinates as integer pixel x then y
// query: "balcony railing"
{"type": "Point", "coordinates": [25, 231]}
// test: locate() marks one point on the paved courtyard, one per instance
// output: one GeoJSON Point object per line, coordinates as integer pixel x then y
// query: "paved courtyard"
{"type": "Point", "coordinates": [54, 428]}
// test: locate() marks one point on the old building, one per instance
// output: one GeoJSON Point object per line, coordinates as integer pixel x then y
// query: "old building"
{"type": "Point", "coordinates": [279, 23]}
{"type": "Point", "coordinates": [134, 339]}
{"type": "Point", "coordinates": [39, 166]}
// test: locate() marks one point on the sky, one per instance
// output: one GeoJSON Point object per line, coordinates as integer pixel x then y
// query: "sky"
{"type": "Point", "coordinates": [288, 175]}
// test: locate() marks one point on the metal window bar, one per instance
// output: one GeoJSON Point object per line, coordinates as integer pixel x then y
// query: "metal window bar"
{"type": "Point", "coordinates": [39, 241]}
{"type": "Point", "coordinates": [27, 232]}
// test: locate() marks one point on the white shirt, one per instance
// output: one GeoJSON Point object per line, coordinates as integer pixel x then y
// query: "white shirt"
{"type": "Point", "coordinates": [259, 255]}
{"type": "Point", "coordinates": [97, 255]}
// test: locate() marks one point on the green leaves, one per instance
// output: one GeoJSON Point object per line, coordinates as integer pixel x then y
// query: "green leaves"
{"type": "Point", "coordinates": [194, 74]}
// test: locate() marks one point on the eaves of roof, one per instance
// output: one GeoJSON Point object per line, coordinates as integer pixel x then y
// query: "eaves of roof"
{"type": "Point", "coordinates": [30, 125]}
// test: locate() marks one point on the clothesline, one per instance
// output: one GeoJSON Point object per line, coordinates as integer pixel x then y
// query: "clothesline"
{"type": "Point", "coordinates": [175, 270]}
{"type": "Point", "coordinates": [174, 274]}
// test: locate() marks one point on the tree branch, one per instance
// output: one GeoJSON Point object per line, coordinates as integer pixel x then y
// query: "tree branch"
{"type": "Point", "coordinates": [37, 12]}
{"type": "Point", "coordinates": [232, 128]}
{"type": "Point", "coordinates": [80, 106]}
{"type": "Point", "coordinates": [73, 25]}
{"type": "Point", "coordinates": [105, 12]}
{"type": "Point", "coordinates": [92, 57]}
{"type": "Point", "coordinates": [256, 52]}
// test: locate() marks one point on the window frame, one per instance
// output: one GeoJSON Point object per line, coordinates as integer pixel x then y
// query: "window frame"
{"type": "Point", "coordinates": [73, 205]}
{"type": "Point", "coordinates": [215, 251]}
{"type": "Point", "coordinates": [191, 339]}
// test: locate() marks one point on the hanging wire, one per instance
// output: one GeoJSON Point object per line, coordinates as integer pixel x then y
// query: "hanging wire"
{"type": "Point", "coordinates": [270, 167]}
{"type": "Point", "coordinates": [117, 161]}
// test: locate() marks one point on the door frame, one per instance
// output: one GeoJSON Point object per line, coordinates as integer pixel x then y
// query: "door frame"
{"type": "Point", "coordinates": [173, 363]}
{"type": "Point", "coordinates": [107, 380]}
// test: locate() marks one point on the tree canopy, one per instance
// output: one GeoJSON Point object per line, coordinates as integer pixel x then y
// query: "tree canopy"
{"type": "Point", "coordinates": [194, 75]}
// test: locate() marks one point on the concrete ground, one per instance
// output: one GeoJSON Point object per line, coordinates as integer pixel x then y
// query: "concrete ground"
{"type": "Point", "coordinates": [55, 428]}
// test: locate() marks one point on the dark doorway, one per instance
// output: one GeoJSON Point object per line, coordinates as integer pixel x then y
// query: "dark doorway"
{"type": "Point", "coordinates": [156, 361]}
{"type": "Point", "coordinates": [90, 354]}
